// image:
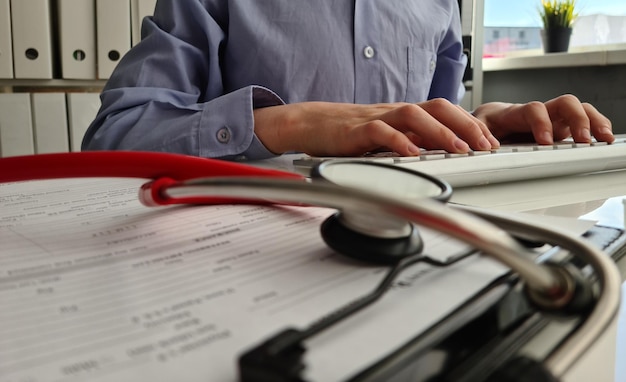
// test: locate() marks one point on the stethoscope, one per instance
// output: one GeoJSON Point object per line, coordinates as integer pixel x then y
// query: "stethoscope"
{"type": "Point", "coordinates": [378, 210]}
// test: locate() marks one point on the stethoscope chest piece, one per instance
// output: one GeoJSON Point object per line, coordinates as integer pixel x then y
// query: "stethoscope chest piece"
{"type": "Point", "coordinates": [369, 237]}
{"type": "Point", "coordinates": [376, 249]}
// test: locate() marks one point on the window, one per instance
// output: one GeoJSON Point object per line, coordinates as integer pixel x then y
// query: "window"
{"type": "Point", "coordinates": [515, 25]}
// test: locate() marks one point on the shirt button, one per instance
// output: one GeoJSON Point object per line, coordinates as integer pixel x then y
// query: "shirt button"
{"type": "Point", "coordinates": [223, 135]}
{"type": "Point", "coordinates": [368, 52]}
{"type": "Point", "coordinates": [433, 65]}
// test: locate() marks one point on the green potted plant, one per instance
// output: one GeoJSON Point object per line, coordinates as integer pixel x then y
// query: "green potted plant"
{"type": "Point", "coordinates": [557, 17]}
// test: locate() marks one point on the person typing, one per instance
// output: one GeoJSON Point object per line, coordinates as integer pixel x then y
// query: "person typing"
{"type": "Point", "coordinates": [251, 79]}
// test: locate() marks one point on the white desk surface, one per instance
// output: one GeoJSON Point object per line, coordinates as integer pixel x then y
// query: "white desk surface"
{"type": "Point", "coordinates": [570, 196]}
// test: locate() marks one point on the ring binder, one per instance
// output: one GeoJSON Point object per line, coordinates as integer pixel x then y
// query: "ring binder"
{"type": "Point", "coordinates": [32, 39]}
{"type": "Point", "coordinates": [113, 36]}
{"type": "Point", "coordinates": [77, 38]}
{"type": "Point", "coordinates": [6, 45]}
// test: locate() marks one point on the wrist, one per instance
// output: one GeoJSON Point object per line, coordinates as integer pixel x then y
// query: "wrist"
{"type": "Point", "coordinates": [271, 126]}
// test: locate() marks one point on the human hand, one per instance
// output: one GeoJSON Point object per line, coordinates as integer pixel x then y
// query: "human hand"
{"type": "Point", "coordinates": [554, 120]}
{"type": "Point", "coordinates": [341, 129]}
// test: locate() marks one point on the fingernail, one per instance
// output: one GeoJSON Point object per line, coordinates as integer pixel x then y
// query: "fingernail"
{"type": "Point", "coordinates": [606, 131]}
{"type": "Point", "coordinates": [413, 149]}
{"type": "Point", "coordinates": [460, 145]}
{"type": "Point", "coordinates": [586, 135]}
{"type": "Point", "coordinates": [494, 142]}
{"type": "Point", "coordinates": [484, 144]}
{"type": "Point", "coordinates": [546, 138]}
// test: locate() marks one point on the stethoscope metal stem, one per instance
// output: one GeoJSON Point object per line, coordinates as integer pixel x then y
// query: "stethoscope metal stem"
{"type": "Point", "coordinates": [476, 232]}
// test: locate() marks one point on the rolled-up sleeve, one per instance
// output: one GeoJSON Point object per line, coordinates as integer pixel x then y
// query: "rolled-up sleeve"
{"type": "Point", "coordinates": [167, 93]}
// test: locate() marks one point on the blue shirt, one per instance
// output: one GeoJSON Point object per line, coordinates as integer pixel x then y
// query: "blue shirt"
{"type": "Point", "coordinates": [191, 84]}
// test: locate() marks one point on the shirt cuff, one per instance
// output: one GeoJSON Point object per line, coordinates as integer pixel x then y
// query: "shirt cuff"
{"type": "Point", "coordinates": [225, 132]}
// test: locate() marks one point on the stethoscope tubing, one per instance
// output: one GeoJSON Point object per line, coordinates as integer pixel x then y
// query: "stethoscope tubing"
{"type": "Point", "coordinates": [126, 164]}
{"type": "Point", "coordinates": [162, 168]}
{"type": "Point", "coordinates": [483, 235]}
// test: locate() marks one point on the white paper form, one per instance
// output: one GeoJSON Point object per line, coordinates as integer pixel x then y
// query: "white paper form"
{"type": "Point", "coordinates": [94, 286]}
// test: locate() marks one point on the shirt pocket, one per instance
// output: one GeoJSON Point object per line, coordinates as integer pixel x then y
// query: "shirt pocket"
{"type": "Point", "coordinates": [421, 64]}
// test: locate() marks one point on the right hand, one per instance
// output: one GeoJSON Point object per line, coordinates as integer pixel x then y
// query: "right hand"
{"type": "Point", "coordinates": [343, 129]}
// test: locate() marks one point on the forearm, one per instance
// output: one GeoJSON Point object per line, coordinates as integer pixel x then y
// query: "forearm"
{"type": "Point", "coordinates": [151, 119]}
{"type": "Point", "coordinates": [168, 94]}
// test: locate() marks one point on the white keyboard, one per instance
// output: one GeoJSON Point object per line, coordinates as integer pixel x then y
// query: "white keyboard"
{"type": "Point", "coordinates": [509, 163]}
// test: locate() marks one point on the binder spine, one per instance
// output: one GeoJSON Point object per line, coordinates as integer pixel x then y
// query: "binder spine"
{"type": "Point", "coordinates": [81, 111]}
{"type": "Point", "coordinates": [6, 40]}
{"type": "Point", "coordinates": [49, 122]}
{"type": "Point", "coordinates": [77, 38]}
{"type": "Point", "coordinates": [16, 134]}
{"type": "Point", "coordinates": [32, 39]}
{"type": "Point", "coordinates": [113, 35]}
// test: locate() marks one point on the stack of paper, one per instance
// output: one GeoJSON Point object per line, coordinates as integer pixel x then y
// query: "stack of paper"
{"type": "Point", "coordinates": [95, 286]}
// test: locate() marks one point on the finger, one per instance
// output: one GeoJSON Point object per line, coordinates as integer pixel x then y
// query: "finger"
{"type": "Point", "coordinates": [411, 118]}
{"type": "Point", "coordinates": [467, 127]}
{"type": "Point", "coordinates": [536, 116]}
{"type": "Point", "coordinates": [375, 134]}
{"type": "Point", "coordinates": [417, 140]}
{"type": "Point", "coordinates": [601, 127]}
{"type": "Point", "coordinates": [567, 110]}
{"type": "Point", "coordinates": [560, 130]}
{"type": "Point", "coordinates": [487, 133]}
{"type": "Point", "coordinates": [441, 124]}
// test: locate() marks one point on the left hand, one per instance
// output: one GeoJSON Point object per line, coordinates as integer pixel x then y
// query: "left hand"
{"type": "Point", "coordinates": [546, 122]}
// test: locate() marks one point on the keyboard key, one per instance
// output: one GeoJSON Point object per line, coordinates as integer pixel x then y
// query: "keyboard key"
{"type": "Point", "coordinates": [503, 149]}
{"type": "Point", "coordinates": [478, 153]}
{"type": "Point", "coordinates": [563, 145]}
{"type": "Point", "coordinates": [407, 159]}
{"type": "Point", "coordinates": [433, 156]}
{"type": "Point", "coordinates": [523, 149]}
{"type": "Point", "coordinates": [456, 155]}
{"type": "Point", "coordinates": [543, 147]}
